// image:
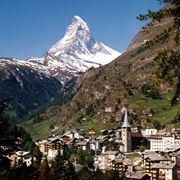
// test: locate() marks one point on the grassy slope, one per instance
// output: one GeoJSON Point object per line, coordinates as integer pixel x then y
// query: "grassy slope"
{"type": "Point", "coordinates": [164, 112]}
{"type": "Point", "coordinates": [39, 130]}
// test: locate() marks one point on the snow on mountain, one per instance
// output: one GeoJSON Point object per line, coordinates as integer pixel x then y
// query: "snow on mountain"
{"type": "Point", "coordinates": [29, 87]}
{"type": "Point", "coordinates": [78, 50]}
{"type": "Point", "coordinates": [35, 81]}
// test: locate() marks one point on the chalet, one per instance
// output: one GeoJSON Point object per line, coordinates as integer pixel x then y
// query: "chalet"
{"type": "Point", "coordinates": [18, 141]}
{"type": "Point", "coordinates": [14, 160]}
{"type": "Point", "coordinates": [149, 158]}
{"type": "Point", "coordinates": [95, 145]}
{"type": "Point", "coordinates": [166, 171]}
{"type": "Point", "coordinates": [103, 138]}
{"type": "Point", "coordinates": [70, 134]}
{"type": "Point", "coordinates": [137, 176]}
{"type": "Point", "coordinates": [175, 156]}
{"type": "Point", "coordinates": [148, 132]}
{"type": "Point", "coordinates": [91, 132]}
{"type": "Point", "coordinates": [81, 132]}
{"type": "Point", "coordinates": [25, 157]}
{"type": "Point", "coordinates": [106, 158]}
{"type": "Point", "coordinates": [53, 143]}
{"type": "Point", "coordinates": [118, 134]}
{"type": "Point", "coordinates": [128, 165]}
{"type": "Point", "coordinates": [104, 132]}
{"type": "Point", "coordinates": [117, 164]}
{"type": "Point", "coordinates": [52, 154]}
{"type": "Point", "coordinates": [41, 144]}
{"type": "Point", "coordinates": [84, 145]}
{"type": "Point", "coordinates": [66, 138]}
{"type": "Point", "coordinates": [160, 167]}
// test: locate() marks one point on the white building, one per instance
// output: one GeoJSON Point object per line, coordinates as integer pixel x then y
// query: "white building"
{"type": "Point", "coordinates": [148, 132]}
{"type": "Point", "coordinates": [84, 145]}
{"type": "Point", "coordinates": [25, 156]}
{"type": "Point", "coordinates": [72, 134]}
{"type": "Point", "coordinates": [52, 154]}
{"type": "Point", "coordinates": [161, 143]}
{"type": "Point", "coordinates": [164, 171]}
{"type": "Point", "coordinates": [106, 158]}
{"type": "Point", "coordinates": [41, 145]}
{"type": "Point", "coordinates": [94, 145]}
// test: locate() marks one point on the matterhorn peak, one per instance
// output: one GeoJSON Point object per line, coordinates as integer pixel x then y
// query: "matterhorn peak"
{"type": "Point", "coordinates": [78, 22]}
{"type": "Point", "coordinates": [77, 29]}
{"type": "Point", "coordinates": [78, 50]}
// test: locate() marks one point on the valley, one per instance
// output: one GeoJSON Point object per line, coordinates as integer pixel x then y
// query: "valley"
{"type": "Point", "coordinates": [86, 111]}
{"type": "Point", "coordinates": [102, 93]}
{"type": "Point", "coordinates": [42, 79]}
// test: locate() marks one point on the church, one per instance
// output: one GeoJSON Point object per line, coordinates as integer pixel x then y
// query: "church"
{"type": "Point", "coordinates": [130, 140]}
{"type": "Point", "coordinates": [126, 134]}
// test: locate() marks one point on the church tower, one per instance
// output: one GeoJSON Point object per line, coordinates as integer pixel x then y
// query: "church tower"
{"type": "Point", "coordinates": [126, 134]}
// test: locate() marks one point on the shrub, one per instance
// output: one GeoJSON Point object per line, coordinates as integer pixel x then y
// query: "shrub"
{"type": "Point", "coordinates": [176, 119]}
{"type": "Point", "coordinates": [89, 109]}
{"type": "Point", "coordinates": [150, 91]}
{"type": "Point", "coordinates": [142, 148]}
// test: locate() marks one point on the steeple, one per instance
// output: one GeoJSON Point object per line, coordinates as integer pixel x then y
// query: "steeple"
{"type": "Point", "coordinates": [126, 134]}
{"type": "Point", "coordinates": [126, 123]}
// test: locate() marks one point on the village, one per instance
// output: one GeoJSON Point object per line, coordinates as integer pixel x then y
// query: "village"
{"type": "Point", "coordinates": [135, 153]}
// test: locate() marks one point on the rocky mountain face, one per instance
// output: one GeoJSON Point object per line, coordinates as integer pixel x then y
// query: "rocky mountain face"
{"type": "Point", "coordinates": [27, 87]}
{"type": "Point", "coordinates": [129, 81]}
{"type": "Point", "coordinates": [76, 52]}
{"type": "Point", "coordinates": [35, 81]}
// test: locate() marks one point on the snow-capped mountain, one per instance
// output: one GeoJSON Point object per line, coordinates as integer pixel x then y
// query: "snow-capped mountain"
{"type": "Point", "coordinates": [27, 87]}
{"type": "Point", "coordinates": [78, 50]}
{"type": "Point", "coordinates": [36, 81]}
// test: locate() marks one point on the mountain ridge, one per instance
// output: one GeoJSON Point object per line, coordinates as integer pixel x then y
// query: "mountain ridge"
{"type": "Point", "coordinates": [62, 70]}
{"type": "Point", "coordinates": [128, 81]}
{"type": "Point", "coordinates": [90, 54]}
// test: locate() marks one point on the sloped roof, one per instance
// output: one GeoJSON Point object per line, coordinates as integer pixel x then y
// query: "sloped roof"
{"type": "Point", "coordinates": [136, 175]}
{"type": "Point", "coordinates": [126, 123]}
{"type": "Point", "coordinates": [163, 166]}
{"type": "Point", "coordinates": [153, 156]}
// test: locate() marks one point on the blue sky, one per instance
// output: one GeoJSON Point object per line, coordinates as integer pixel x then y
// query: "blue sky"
{"type": "Point", "coordinates": [30, 27]}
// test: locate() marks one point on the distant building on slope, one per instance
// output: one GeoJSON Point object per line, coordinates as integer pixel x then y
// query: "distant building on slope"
{"type": "Point", "coordinates": [158, 166]}
{"type": "Point", "coordinates": [161, 143]}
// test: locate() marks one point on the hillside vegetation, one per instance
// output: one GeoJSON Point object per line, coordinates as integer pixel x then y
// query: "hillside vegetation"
{"type": "Point", "coordinates": [129, 81]}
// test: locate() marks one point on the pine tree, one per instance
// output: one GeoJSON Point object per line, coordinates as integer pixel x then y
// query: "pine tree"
{"type": "Point", "coordinates": [59, 167]}
{"type": "Point", "coordinates": [64, 169]}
